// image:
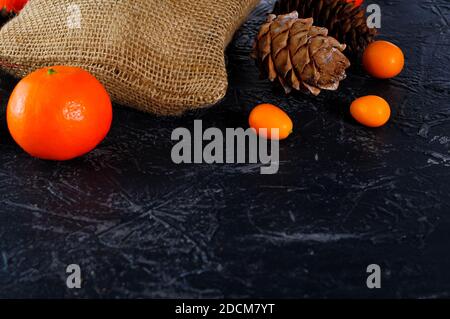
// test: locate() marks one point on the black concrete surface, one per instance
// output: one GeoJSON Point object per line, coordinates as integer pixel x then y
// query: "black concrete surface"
{"type": "Point", "coordinates": [345, 197]}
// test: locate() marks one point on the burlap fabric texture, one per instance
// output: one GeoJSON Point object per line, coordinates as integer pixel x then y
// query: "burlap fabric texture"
{"type": "Point", "coordinates": [159, 56]}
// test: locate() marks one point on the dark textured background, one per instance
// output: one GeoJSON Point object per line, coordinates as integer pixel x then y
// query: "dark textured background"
{"type": "Point", "coordinates": [346, 196]}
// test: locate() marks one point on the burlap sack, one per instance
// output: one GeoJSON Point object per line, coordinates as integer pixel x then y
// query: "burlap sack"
{"type": "Point", "coordinates": [160, 56]}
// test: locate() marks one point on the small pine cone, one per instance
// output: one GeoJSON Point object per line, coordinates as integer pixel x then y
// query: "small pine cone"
{"type": "Point", "coordinates": [300, 55]}
{"type": "Point", "coordinates": [345, 22]}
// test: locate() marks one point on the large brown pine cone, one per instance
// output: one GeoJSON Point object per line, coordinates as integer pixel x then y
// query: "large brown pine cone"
{"type": "Point", "coordinates": [299, 55]}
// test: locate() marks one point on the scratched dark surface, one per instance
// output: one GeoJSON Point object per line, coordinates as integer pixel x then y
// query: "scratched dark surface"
{"type": "Point", "coordinates": [345, 197]}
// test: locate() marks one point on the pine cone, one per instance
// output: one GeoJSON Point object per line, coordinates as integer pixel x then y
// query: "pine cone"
{"type": "Point", "coordinates": [344, 21]}
{"type": "Point", "coordinates": [299, 55]}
